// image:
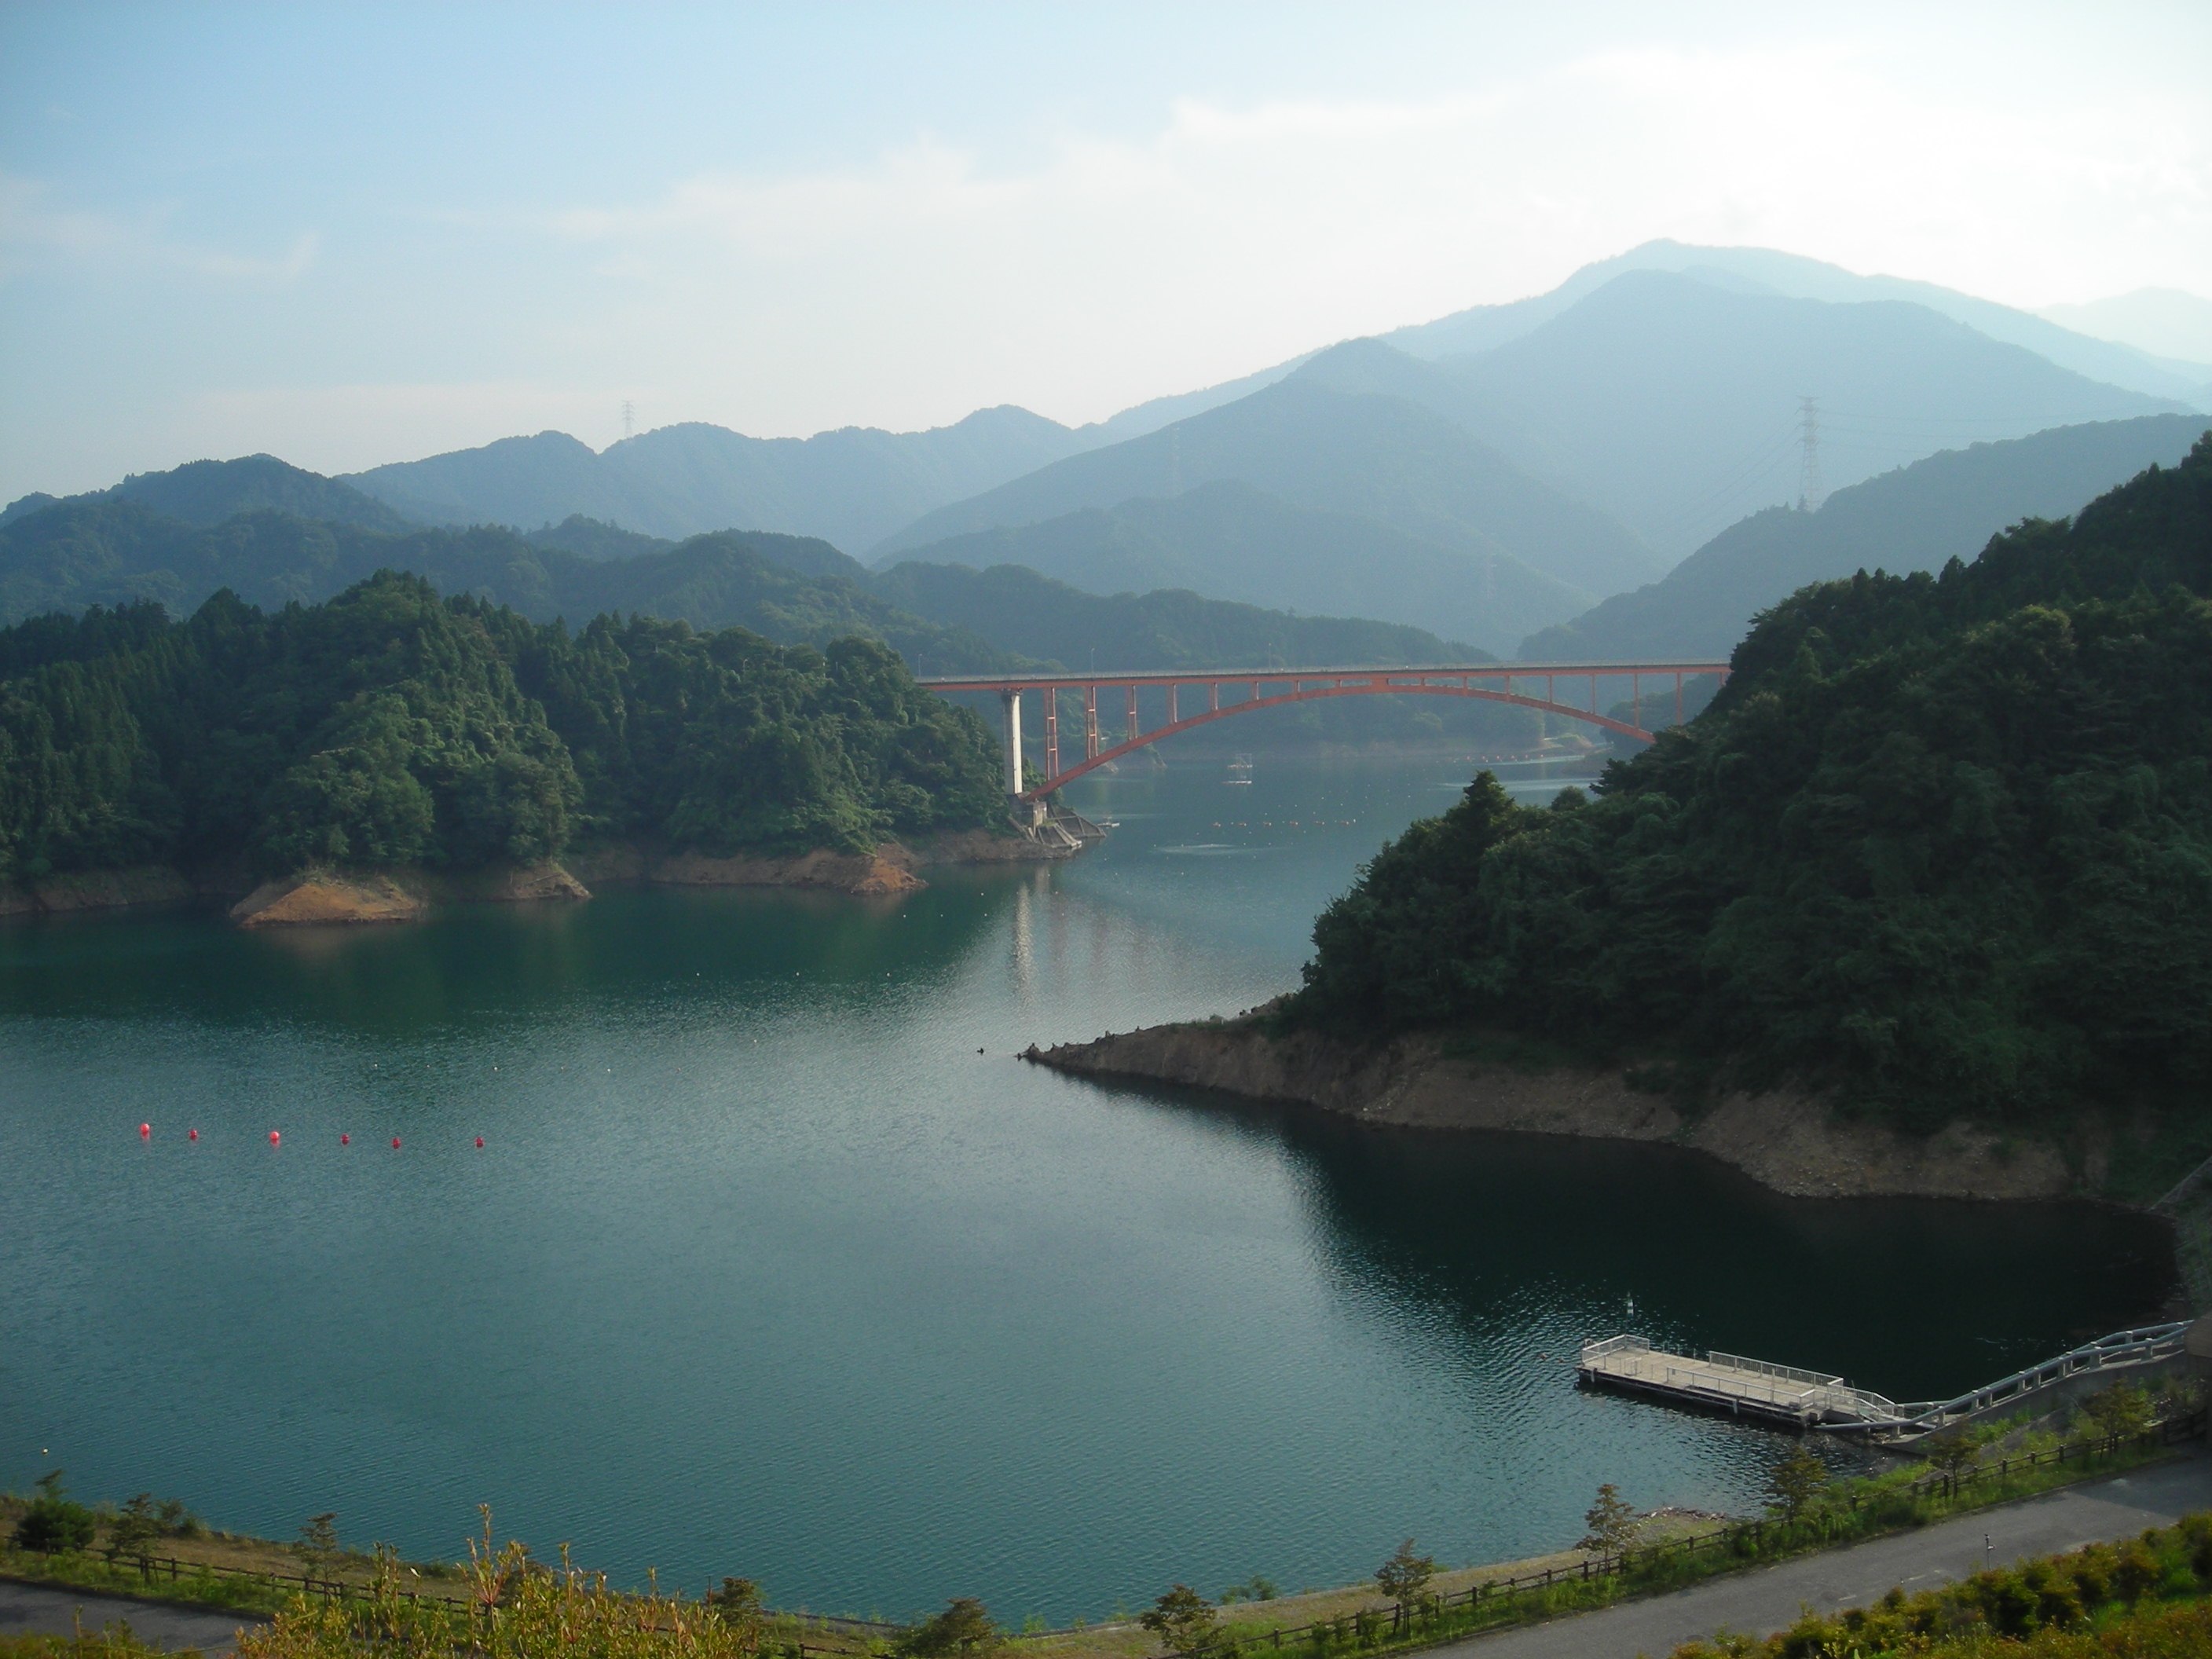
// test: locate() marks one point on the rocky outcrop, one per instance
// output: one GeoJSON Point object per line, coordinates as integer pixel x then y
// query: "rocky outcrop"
{"type": "Point", "coordinates": [315, 898]}
{"type": "Point", "coordinates": [889, 869]}
{"type": "Point", "coordinates": [530, 884]}
{"type": "Point", "coordinates": [986, 846]}
{"type": "Point", "coordinates": [1787, 1141]}
{"type": "Point", "coordinates": [325, 896]}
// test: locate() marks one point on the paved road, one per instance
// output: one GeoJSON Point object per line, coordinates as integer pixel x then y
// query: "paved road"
{"type": "Point", "coordinates": [1765, 1599]}
{"type": "Point", "coordinates": [42, 1610]}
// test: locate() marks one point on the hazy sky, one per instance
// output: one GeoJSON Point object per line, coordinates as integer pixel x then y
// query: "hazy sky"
{"type": "Point", "coordinates": [354, 234]}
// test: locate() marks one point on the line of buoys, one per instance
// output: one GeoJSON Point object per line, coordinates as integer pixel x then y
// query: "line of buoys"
{"type": "Point", "coordinates": [277, 1136]}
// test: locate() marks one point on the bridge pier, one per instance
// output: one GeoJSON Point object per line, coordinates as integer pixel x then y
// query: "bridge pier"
{"type": "Point", "coordinates": [1012, 700]}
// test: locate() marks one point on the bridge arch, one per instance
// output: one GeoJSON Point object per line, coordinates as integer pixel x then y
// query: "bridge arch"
{"type": "Point", "coordinates": [1306, 686]}
{"type": "Point", "coordinates": [1250, 705]}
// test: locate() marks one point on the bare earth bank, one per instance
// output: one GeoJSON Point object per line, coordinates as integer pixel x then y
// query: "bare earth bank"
{"type": "Point", "coordinates": [1789, 1142]}
{"type": "Point", "coordinates": [312, 896]}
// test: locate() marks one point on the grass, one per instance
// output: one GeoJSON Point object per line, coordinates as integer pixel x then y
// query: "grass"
{"type": "Point", "coordinates": [250, 1576]}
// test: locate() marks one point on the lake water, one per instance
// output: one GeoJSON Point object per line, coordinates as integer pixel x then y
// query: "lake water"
{"type": "Point", "coordinates": [775, 1262]}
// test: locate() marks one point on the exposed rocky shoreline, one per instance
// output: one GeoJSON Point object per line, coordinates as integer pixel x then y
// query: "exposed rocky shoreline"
{"type": "Point", "coordinates": [1786, 1141]}
{"type": "Point", "coordinates": [320, 898]}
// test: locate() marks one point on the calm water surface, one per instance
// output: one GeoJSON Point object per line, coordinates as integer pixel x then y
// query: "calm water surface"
{"type": "Point", "coordinates": [764, 1269]}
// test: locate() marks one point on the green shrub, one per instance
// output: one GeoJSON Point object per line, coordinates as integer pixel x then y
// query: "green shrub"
{"type": "Point", "coordinates": [52, 1524]}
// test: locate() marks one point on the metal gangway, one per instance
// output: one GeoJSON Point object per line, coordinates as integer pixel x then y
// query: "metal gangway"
{"type": "Point", "coordinates": [1816, 1400]}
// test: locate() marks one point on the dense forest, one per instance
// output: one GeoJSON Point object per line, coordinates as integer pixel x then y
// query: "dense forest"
{"type": "Point", "coordinates": [1943, 844]}
{"type": "Point", "coordinates": [391, 727]}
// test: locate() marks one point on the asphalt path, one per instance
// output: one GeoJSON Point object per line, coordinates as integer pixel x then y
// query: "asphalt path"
{"type": "Point", "coordinates": [1767, 1599]}
{"type": "Point", "coordinates": [43, 1610]}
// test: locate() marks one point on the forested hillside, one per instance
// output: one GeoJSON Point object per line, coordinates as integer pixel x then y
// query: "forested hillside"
{"type": "Point", "coordinates": [792, 589]}
{"type": "Point", "coordinates": [1944, 843]}
{"type": "Point", "coordinates": [114, 552]}
{"type": "Point", "coordinates": [203, 492]}
{"type": "Point", "coordinates": [1916, 518]}
{"type": "Point", "coordinates": [390, 727]}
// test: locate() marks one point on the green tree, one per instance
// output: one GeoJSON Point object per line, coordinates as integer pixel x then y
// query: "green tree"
{"type": "Point", "coordinates": [739, 1601]}
{"type": "Point", "coordinates": [1404, 1577]}
{"type": "Point", "coordinates": [964, 1626]}
{"type": "Point", "coordinates": [51, 1524]}
{"type": "Point", "coordinates": [2121, 1409]}
{"type": "Point", "coordinates": [317, 1544]}
{"type": "Point", "coordinates": [1796, 1482]}
{"type": "Point", "coordinates": [1951, 1452]}
{"type": "Point", "coordinates": [1184, 1620]}
{"type": "Point", "coordinates": [136, 1525]}
{"type": "Point", "coordinates": [1612, 1521]}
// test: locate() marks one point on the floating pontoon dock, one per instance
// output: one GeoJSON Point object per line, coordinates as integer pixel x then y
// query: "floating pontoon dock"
{"type": "Point", "coordinates": [1816, 1399]}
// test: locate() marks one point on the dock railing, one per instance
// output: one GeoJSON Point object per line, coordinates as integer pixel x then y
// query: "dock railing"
{"type": "Point", "coordinates": [2122, 1350]}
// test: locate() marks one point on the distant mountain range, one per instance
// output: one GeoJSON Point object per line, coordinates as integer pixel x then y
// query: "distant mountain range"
{"type": "Point", "coordinates": [852, 487]}
{"type": "Point", "coordinates": [1487, 476]}
{"type": "Point", "coordinates": [1230, 540]}
{"type": "Point", "coordinates": [1913, 518]}
{"type": "Point", "coordinates": [1392, 474]}
{"type": "Point", "coordinates": [1673, 403]}
{"type": "Point", "coordinates": [1791, 276]}
{"type": "Point", "coordinates": [109, 549]}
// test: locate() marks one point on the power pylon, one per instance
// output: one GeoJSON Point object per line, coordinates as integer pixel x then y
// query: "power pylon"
{"type": "Point", "coordinates": [629, 422]}
{"type": "Point", "coordinates": [1809, 493]}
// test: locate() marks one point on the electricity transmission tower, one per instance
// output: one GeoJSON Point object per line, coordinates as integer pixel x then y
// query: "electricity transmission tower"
{"type": "Point", "coordinates": [1809, 493]}
{"type": "Point", "coordinates": [629, 422]}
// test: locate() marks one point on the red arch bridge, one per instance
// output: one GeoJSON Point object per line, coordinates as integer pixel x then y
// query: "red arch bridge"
{"type": "Point", "coordinates": [1536, 685]}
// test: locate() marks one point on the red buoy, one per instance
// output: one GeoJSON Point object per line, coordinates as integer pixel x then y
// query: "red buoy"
{"type": "Point", "coordinates": [274, 1136]}
{"type": "Point", "coordinates": [145, 1130]}
{"type": "Point", "coordinates": [192, 1134]}
{"type": "Point", "coordinates": [395, 1143]}
{"type": "Point", "coordinates": [345, 1140]}
{"type": "Point", "coordinates": [479, 1140]}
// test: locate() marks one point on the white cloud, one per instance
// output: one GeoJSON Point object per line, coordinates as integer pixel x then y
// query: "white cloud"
{"type": "Point", "coordinates": [34, 230]}
{"type": "Point", "coordinates": [911, 289]}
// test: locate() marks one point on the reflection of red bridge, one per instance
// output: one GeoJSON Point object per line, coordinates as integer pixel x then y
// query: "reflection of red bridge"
{"type": "Point", "coordinates": [1529, 684]}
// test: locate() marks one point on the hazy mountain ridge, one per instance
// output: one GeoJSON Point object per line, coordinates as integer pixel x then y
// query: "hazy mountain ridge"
{"type": "Point", "coordinates": [1641, 395]}
{"type": "Point", "coordinates": [112, 552]}
{"type": "Point", "coordinates": [1377, 458]}
{"type": "Point", "coordinates": [1916, 518]}
{"type": "Point", "coordinates": [794, 590]}
{"type": "Point", "coordinates": [1231, 541]}
{"type": "Point", "coordinates": [207, 492]}
{"type": "Point", "coordinates": [852, 486]}
{"type": "Point", "coordinates": [1015, 608]}
{"type": "Point", "coordinates": [1791, 276]}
